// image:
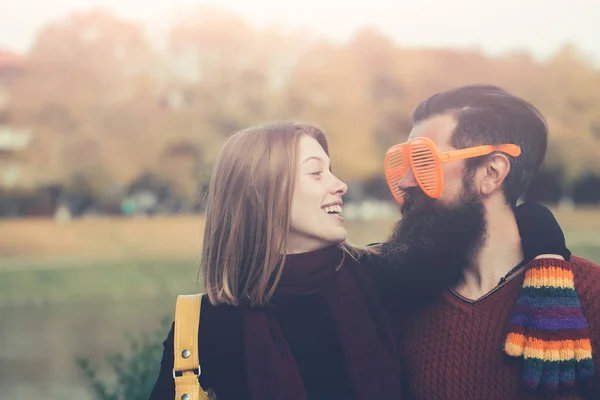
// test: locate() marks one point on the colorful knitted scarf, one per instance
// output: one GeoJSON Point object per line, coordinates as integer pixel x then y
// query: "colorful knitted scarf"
{"type": "Point", "coordinates": [548, 328]}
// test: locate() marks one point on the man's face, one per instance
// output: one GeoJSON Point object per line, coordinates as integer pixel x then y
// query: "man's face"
{"type": "Point", "coordinates": [436, 238]}
{"type": "Point", "coordinates": [438, 129]}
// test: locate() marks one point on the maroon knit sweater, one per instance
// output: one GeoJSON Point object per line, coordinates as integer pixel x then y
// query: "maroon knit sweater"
{"type": "Point", "coordinates": [453, 348]}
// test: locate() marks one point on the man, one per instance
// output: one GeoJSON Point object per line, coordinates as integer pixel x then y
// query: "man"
{"type": "Point", "coordinates": [491, 323]}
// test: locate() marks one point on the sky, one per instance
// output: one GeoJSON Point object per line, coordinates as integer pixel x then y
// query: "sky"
{"type": "Point", "coordinates": [538, 26]}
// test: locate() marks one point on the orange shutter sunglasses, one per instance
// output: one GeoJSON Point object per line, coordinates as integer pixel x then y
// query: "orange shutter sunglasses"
{"type": "Point", "coordinates": [422, 156]}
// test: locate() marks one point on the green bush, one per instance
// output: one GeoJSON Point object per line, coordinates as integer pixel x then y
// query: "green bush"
{"type": "Point", "coordinates": [134, 371]}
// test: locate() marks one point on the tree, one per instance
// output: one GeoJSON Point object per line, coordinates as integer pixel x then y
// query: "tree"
{"type": "Point", "coordinates": [89, 82]}
{"type": "Point", "coordinates": [105, 106]}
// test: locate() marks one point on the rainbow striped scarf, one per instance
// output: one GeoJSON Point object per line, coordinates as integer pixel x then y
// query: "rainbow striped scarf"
{"type": "Point", "coordinates": [548, 328]}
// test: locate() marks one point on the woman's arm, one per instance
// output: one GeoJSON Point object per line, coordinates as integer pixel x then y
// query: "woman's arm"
{"type": "Point", "coordinates": [164, 387]}
{"type": "Point", "coordinates": [221, 354]}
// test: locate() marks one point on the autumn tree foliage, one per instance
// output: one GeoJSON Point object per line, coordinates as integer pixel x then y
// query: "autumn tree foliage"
{"type": "Point", "coordinates": [108, 104]}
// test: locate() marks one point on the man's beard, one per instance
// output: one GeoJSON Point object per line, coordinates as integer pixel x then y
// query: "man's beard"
{"type": "Point", "coordinates": [433, 243]}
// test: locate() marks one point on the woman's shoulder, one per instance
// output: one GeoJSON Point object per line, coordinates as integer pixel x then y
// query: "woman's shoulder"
{"type": "Point", "coordinates": [221, 349]}
{"type": "Point", "coordinates": [214, 320]}
{"type": "Point", "coordinates": [217, 319]}
{"type": "Point", "coordinates": [220, 353]}
{"type": "Point", "coordinates": [216, 323]}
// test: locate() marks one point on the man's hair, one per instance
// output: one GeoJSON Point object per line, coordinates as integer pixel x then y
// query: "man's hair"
{"type": "Point", "coordinates": [487, 114]}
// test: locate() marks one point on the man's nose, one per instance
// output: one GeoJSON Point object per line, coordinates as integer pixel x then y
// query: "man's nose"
{"type": "Point", "coordinates": [408, 180]}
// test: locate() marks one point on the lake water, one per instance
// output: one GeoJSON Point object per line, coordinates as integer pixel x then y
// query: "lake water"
{"type": "Point", "coordinates": [39, 344]}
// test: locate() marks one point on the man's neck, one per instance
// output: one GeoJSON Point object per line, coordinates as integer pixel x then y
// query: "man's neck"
{"type": "Point", "coordinates": [498, 256]}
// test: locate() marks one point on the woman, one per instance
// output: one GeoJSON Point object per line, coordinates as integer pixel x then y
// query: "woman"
{"type": "Point", "coordinates": [288, 311]}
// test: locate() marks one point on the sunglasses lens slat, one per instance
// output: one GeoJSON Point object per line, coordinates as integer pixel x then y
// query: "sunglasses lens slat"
{"type": "Point", "coordinates": [395, 170]}
{"type": "Point", "coordinates": [424, 163]}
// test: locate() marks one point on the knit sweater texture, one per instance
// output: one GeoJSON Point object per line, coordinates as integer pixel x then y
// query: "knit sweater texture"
{"type": "Point", "coordinates": [452, 347]}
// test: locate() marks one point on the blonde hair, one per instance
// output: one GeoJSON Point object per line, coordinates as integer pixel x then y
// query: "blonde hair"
{"type": "Point", "coordinates": [248, 212]}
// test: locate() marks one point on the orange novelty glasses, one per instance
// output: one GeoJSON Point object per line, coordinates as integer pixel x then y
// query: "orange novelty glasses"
{"type": "Point", "coordinates": [422, 156]}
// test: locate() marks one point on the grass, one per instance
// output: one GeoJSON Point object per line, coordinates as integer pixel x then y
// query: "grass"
{"type": "Point", "coordinates": [121, 258]}
{"type": "Point", "coordinates": [43, 242]}
{"type": "Point", "coordinates": [74, 290]}
{"type": "Point", "coordinates": [115, 258]}
{"type": "Point", "coordinates": [115, 280]}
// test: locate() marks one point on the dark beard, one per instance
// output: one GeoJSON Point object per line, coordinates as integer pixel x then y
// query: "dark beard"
{"type": "Point", "coordinates": [431, 245]}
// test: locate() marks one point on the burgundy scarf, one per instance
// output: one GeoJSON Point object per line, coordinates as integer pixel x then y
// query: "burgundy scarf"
{"type": "Point", "coordinates": [365, 335]}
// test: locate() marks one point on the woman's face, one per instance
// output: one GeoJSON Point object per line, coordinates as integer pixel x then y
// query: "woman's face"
{"type": "Point", "coordinates": [316, 201]}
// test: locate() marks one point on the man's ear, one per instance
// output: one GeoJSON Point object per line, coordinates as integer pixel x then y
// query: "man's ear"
{"type": "Point", "coordinates": [495, 170]}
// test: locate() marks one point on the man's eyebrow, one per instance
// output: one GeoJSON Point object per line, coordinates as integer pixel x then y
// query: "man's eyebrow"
{"type": "Point", "coordinates": [313, 158]}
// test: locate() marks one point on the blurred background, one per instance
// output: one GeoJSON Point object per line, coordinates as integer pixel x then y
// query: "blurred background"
{"type": "Point", "coordinates": [112, 114]}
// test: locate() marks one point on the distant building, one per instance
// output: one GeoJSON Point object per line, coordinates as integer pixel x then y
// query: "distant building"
{"type": "Point", "coordinates": [13, 141]}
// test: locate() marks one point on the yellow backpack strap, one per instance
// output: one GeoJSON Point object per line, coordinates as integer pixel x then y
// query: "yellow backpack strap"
{"type": "Point", "coordinates": [186, 371]}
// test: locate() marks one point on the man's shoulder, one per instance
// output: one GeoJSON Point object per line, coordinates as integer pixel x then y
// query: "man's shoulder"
{"type": "Point", "coordinates": [584, 266]}
{"type": "Point", "coordinates": [587, 276]}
